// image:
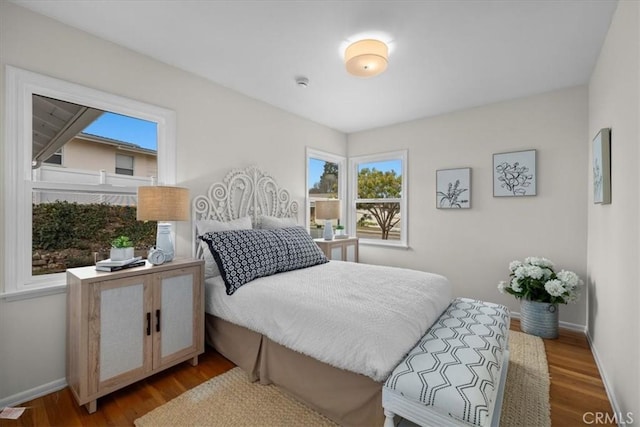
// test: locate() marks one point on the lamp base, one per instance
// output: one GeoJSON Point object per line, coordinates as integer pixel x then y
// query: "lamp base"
{"type": "Point", "coordinates": [164, 240]}
{"type": "Point", "coordinates": [327, 233]}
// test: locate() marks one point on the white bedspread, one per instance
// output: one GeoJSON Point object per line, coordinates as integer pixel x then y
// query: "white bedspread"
{"type": "Point", "coordinates": [358, 317]}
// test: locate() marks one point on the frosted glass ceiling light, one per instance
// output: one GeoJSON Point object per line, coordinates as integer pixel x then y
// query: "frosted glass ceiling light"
{"type": "Point", "coordinates": [366, 58]}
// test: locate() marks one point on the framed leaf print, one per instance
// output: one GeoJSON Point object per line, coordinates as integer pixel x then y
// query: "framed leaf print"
{"type": "Point", "coordinates": [453, 188]}
{"type": "Point", "coordinates": [514, 174]}
{"type": "Point", "coordinates": [602, 167]}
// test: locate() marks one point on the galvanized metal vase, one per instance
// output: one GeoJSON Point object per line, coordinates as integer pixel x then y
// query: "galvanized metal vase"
{"type": "Point", "coordinates": [539, 318]}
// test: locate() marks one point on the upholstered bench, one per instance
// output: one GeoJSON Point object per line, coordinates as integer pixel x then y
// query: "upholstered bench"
{"type": "Point", "coordinates": [455, 375]}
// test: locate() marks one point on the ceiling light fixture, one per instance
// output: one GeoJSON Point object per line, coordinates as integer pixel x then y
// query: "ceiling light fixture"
{"type": "Point", "coordinates": [366, 58]}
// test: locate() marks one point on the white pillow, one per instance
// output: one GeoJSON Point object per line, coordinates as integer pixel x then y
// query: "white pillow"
{"type": "Point", "coordinates": [209, 226]}
{"type": "Point", "coordinates": [271, 222]}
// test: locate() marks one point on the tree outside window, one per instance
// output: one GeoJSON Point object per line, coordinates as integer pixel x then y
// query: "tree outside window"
{"type": "Point", "coordinates": [325, 181]}
{"type": "Point", "coordinates": [374, 184]}
{"type": "Point", "coordinates": [379, 198]}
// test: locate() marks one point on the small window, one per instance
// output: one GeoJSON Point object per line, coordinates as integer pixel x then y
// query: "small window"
{"type": "Point", "coordinates": [124, 164]}
{"type": "Point", "coordinates": [379, 196]}
{"type": "Point", "coordinates": [55, 159]}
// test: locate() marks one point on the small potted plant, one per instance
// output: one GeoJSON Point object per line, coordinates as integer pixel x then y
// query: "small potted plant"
{"type": "Point", "coordinates": [339, 230]}
{"type": "Point", "coordinates": [121, 249]}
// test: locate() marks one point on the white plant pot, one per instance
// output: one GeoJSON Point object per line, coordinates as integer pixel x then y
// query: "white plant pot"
{"type": "Point", "coordinates": [121, 254]}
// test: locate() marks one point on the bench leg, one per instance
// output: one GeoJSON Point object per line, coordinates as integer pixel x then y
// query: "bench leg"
{"type": "Point", "coordinates": [388, 420]}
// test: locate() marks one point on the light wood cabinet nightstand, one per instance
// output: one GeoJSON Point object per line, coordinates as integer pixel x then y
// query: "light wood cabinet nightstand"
{"type": "Point", "coordinates": [340, 249]}
{"type": "Point", "coordinates": [126, 325]}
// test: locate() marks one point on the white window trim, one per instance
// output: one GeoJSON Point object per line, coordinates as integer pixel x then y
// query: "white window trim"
{"type": "Point", "coordinates": [353, 193]}
{"type": "Point", "coordinates": [20, 85]}
{"type": "Point", "coordinates": [341, 161]}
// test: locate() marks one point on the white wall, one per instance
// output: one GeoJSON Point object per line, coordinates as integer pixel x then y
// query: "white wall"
{"type": "Point", "coordinates": [217, 129]}
{"type": "Point", "coordinates": [614, 234]}
{"type": "Point", "coordinates": [473, 247]}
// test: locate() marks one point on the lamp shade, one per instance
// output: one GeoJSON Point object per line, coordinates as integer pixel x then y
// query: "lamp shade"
{"type": "Point", "coordinates": [366, 58]}
{"type": "Point", "coordinates": [163, 203]}
{"type": "Point", "coordinates": [328, 209]}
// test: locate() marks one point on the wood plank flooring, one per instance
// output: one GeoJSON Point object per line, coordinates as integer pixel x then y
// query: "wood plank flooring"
{"type": "Point", "coordinates": [576, 389]}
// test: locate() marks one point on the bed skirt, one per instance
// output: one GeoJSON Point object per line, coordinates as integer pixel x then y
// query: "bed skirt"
{"type": "Point", "coordinates": [347, 398]}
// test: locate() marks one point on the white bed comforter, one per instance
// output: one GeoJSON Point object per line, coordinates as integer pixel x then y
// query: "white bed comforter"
{"type": "Point", "coordinates": [358, 317]}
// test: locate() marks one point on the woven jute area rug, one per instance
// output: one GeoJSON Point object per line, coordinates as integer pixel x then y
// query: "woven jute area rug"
{"type": "Point", "coordinates": [230, 400]}
{"type": "Point", "coordinates": [526, 393]}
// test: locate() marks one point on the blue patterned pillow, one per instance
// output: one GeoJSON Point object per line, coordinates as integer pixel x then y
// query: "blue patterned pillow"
{"type": "Point", "coordinates": [244, 255]}
{"type": "Point", "coordinates": [300, 248]}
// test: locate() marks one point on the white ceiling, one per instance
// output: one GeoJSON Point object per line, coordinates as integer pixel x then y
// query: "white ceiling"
{"type": "Point", "coordinates": [445, 55]}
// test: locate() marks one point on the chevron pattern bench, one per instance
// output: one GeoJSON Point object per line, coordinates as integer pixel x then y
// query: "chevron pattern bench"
{"type": "Point", "coordinates": [455, 375]}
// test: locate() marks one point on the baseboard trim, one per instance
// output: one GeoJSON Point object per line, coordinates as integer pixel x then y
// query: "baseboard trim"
{"type": "Point", "coordinates": [565, 325]}
{"type": "Point", "coordinates": [605, 380]}
{"type": "Point", "coordinates": [33, 393]}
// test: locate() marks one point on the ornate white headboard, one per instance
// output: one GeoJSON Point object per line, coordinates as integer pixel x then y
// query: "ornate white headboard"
{"type": "Point", "coordinates": [243, 192]}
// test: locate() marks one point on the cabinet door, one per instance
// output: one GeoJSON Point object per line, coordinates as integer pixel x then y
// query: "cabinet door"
{"type": "Point", "coordinates": [352, 251]}
{"type": "Point", "coordinates": [119, 337]}
{"type": "Point", "coordinates": [336, 252]}
{"type": "Point", "coordinates": [177, 315]}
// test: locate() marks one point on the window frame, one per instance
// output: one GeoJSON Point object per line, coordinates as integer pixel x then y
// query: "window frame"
{"type": "Point", "coordinates": [354, 163]}
{"type": "Point", "coordinates": [20, 85]}
{"type": "Point", "coordinates": [341, 161]}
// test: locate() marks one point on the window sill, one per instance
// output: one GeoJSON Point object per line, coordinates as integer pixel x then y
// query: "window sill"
{"type": "Point", "coordinates": [34, 293]}
{"type": "Point", "coordinates": [387, 244]}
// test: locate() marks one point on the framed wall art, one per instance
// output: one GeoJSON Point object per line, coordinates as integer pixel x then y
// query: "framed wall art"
{"type": "Point", "coordinates": [453, 188]}
{"type": "Point", "coordinates": [602, 167]}
{"type": "Point", "coordinates": [514, 174]}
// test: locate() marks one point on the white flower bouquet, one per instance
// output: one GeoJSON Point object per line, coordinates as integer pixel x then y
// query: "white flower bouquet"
{"type": "Point", "coordinates": [535, 280]}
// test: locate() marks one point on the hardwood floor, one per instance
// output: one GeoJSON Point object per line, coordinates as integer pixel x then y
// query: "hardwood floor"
{"type": "Point", "coordinates": [576, 390]}
{"type": "Point", "coordinates": [577, 394]}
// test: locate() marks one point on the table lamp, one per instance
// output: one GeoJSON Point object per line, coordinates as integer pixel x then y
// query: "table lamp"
{"type": "Point", "coordinates": [328, 210]}
{"type": "Point", "coordinates": [163, 203]}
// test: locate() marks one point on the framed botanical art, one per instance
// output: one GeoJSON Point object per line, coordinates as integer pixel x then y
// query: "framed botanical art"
{"type": "Point", "coordinates": [453, 188]}
{"type": "Point", "coordinates": [602, 167]}
{"type": "Point", "coordinates": [514, 174]}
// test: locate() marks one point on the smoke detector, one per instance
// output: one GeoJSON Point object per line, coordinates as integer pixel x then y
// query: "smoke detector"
{"type": "Point", "coordinates": [302, 81]}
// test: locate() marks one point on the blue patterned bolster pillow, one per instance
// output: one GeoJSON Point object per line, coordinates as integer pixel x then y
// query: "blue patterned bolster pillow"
{"type": "Point", "coordinates": [244, 255]}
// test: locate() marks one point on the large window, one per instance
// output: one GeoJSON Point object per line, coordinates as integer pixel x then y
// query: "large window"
{"type": "Point", "coordinates": [378, 193]}
{"type": "Point", "coordinates": [326, 180]}
{"type": "Point", "coordinates": [36, 192]}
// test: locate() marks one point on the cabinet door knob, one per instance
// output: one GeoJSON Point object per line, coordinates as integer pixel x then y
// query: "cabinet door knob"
{"type": "Point", "coordinates": [157, 320]}
{"type": "Point", "coordinates": [148, 323]}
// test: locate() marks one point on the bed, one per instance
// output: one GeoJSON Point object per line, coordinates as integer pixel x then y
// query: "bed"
{"type": "Point", "coordinates": [277, 328]}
